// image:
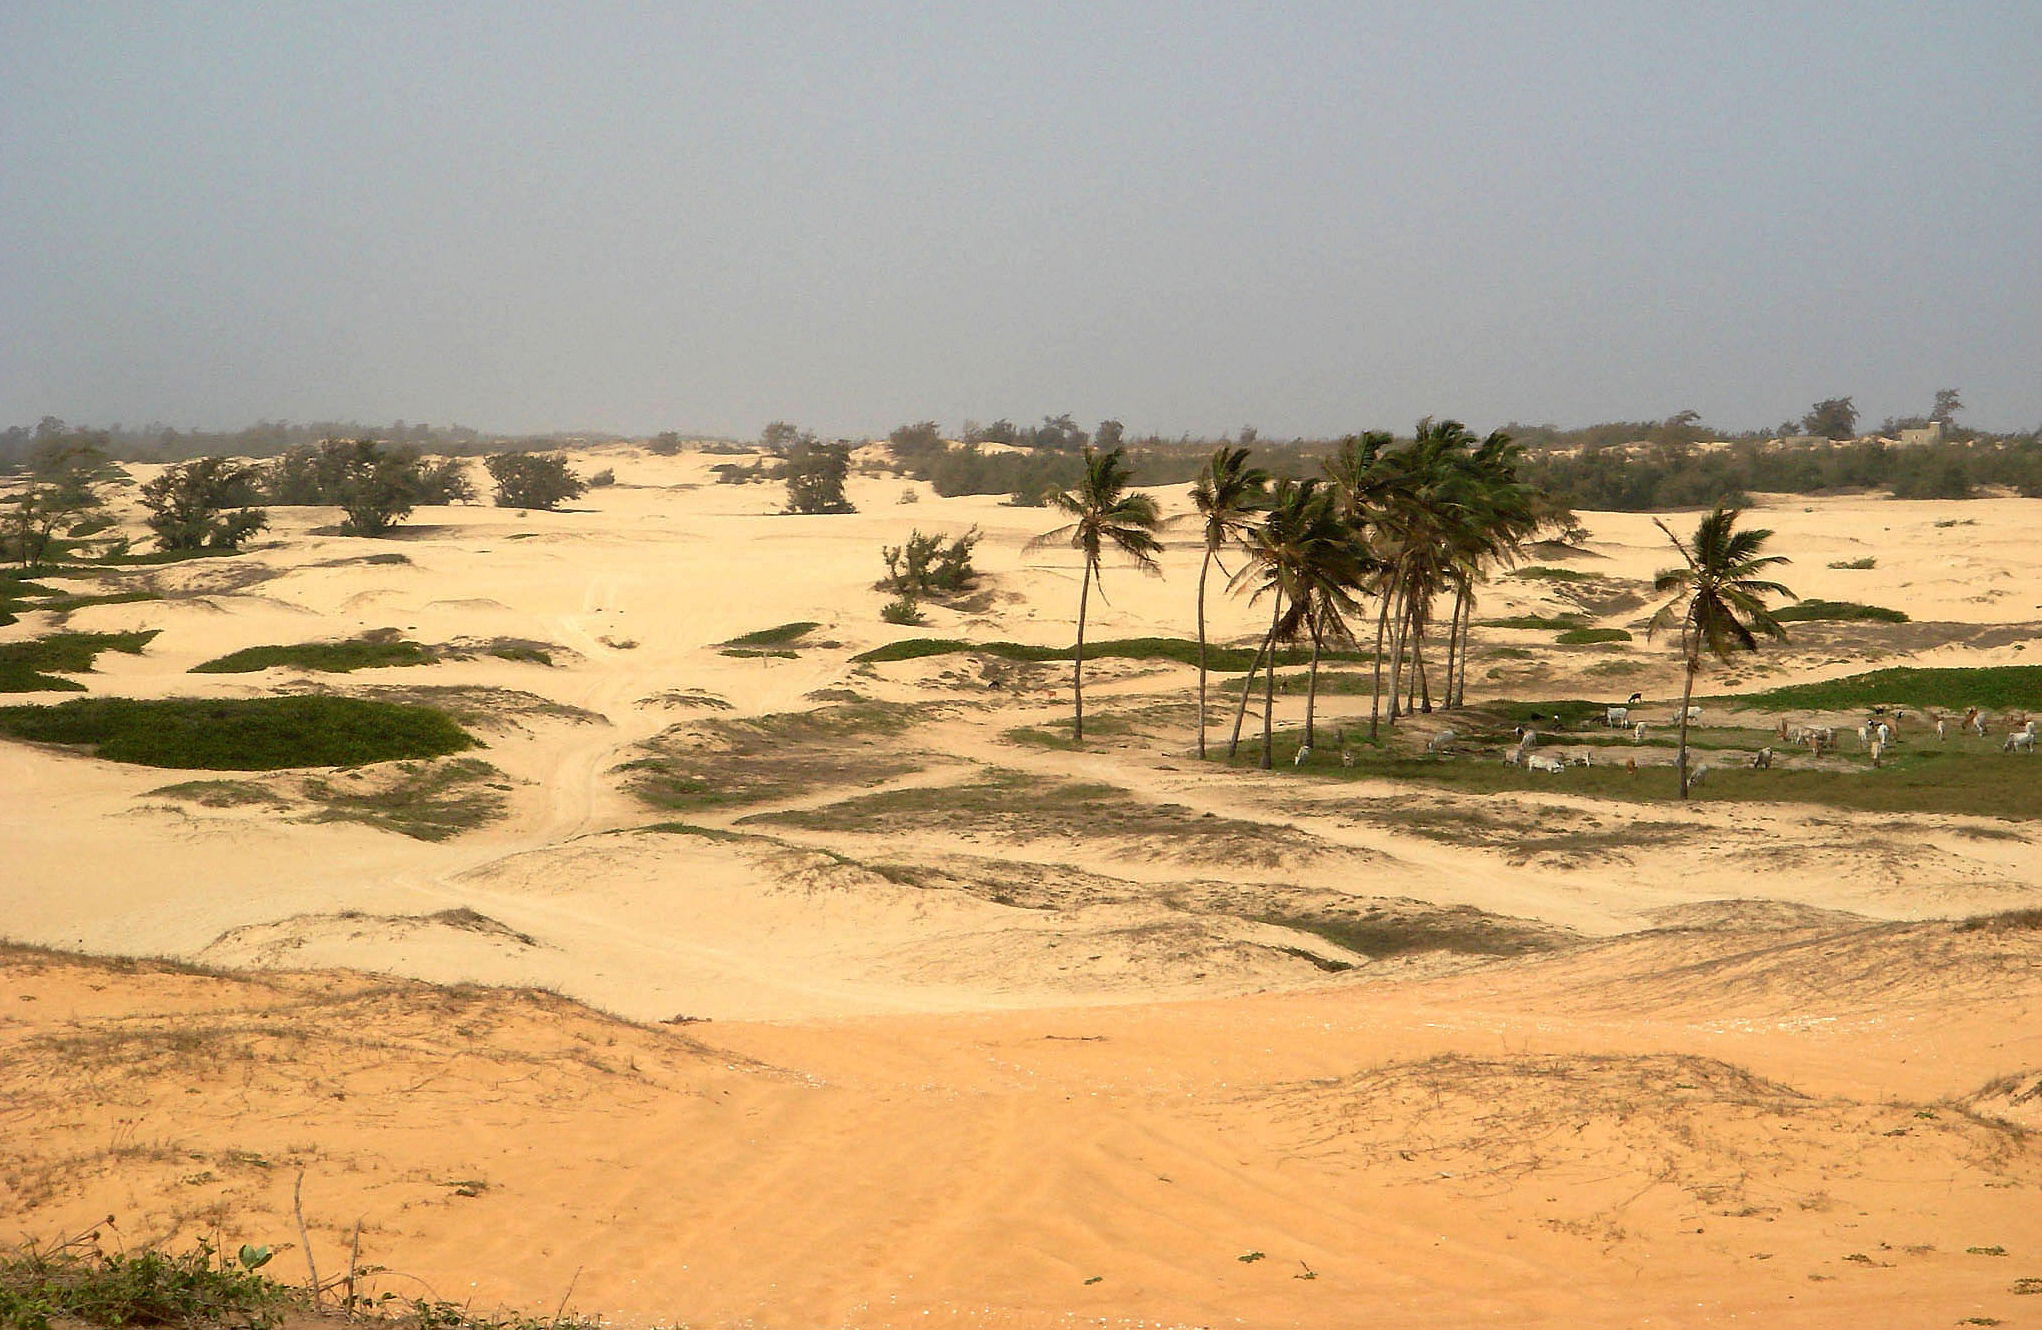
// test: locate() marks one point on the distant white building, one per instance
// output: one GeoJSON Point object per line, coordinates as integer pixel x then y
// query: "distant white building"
{"type": "Point", "coordinates": [1915, 438]}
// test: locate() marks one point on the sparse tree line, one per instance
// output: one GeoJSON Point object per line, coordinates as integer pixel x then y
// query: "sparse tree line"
{"type": "Point", "coordinates": [156, 442]}
{"type": "Point", "coordinates": [58, 495]}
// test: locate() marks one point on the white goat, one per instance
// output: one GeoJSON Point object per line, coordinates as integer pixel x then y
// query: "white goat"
{"type": "Point", "coordinates": [1762, 760]}
{"type": "Point", "coordinates": [1878, 751]}
{"type": "Point", "coordinates": [1694, 778]}
{"type": "Point", "coordinates": [1864, 733]}
{"type": "Point", "coordinates": [1638, 733]}
{"type": "Point", "coordinates": [1545, 762]}
{"type": "Point", "coordinates": [1347, 757]}
{"type": "Point", "coordinates": [1440, 742]}
{"type": "Point", "coordinates": [1694, 716]}
{"type": "Point", "coordinates": [2020, 741]}
{"type": "Point", "coordinates": [1616, 718]}
{"type": "Point", "coordinates": [1942, 730]}
{"type": "Point", "coordinates": [1304, 755]}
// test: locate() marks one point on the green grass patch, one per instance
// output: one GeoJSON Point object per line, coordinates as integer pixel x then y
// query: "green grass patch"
{"type": "Point", "coordinates": [785, 634]}
{"type": "Point", "coordinates": [1332, 683]}
{"type": "Point", "coordinates": [717, 834]}
{"type": "Point", "coordinates": [1057, 734]}
{"type": "Point", "coordinates": [1915, 779]}
{"type": "Point", "coordinates": [1181, 650]}
{"type": "Point", "coordinates": [325, 657]}
{"type": "Point", "coordinates": [1857, 565]}
{"type": "Point", "coordinates": [1540, 573]}
{"type": "Point", "coordinates": [1543, 623]}
{"type": "Point", "coordinates": [1581, 637]}
{"type": "Point", "coordinates": [25, 666]}
{"type": "Point", "coordinates": [1837, 611]}
{"type": "Point", "coordinates": [429, 801]}
{"type": "Point", "coordinates": [240, 734]}
{"type": "Point", "coordinates": [760, 653]}
{"type": "Point", "coordinates": [1955, 688]}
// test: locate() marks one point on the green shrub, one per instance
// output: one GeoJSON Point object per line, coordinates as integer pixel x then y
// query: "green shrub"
{"type": "Point", "coordinates": [780, 635]}
{"type": "Point", "coordinates": [1859, 565]}
{"type": "Point", "coordinates": [1578, 637]}
{"type": "Point", "coordinates": [25, 666]}
{"type": "Point", "coordinates": [147, 1288]}
{"type": "Point", "coordinates": [241, 734]}
{"type": "Point", "coordinates": [325, 657]}
{"type": "Point", "coordinates": [1837, 611]}
{"type": "Point", "coordinates": [926, 566]}
{"type": "Point", "coordinates": [902, 610]}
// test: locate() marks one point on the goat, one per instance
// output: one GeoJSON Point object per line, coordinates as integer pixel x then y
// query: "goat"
{"type": "Point", "coordinates": [1864, 733]}
{"type": "Point", "coordinates": [1616, 718]}
{"type": "Point", "coordinates": [1694, 716]}
{"type": "Point", "coordinates": [1304, 755]}
{"type": "Point", "coordinates": [2020, 741]}
{"type": "Point", "coordinates": [1885, 733]}
{"type": "Point", "coordinates": [1545, 762]}
{"type": "Point", "coordinates": [1694, 778]}
{"type": "Point", "coordinates": [1878, 751]}
{"type": "Point", "coordinates": [1762, 760]}
{"type": "Point", "coordinates": [1638, 733]}
{"type": "Point", "coordinates": [1440, 742]}
{"type": "Point", "coordinates": [1942, 730]}
{"type": "Point", "coordinates": [1347, 757]}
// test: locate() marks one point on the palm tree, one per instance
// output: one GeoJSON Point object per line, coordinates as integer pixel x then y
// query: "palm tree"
{"type": "Point", "coordinates": [1103, 513]}
{"type": "Point", "coordinates": [1717, 599]}
{"type": "Point", "coordinates": [1306, 556]}
{"type": "Point", "coordinates": [1227, 493]}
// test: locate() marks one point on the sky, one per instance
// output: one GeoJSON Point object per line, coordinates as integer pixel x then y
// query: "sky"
{"type": "Point", "coordinates": [1311, 218]}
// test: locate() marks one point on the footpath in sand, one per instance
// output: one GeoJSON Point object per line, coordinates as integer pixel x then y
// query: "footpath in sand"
{"type": "Point", "coordinates": [968, 1028]}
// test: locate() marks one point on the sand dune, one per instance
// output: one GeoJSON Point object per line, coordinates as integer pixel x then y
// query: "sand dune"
{"type": "Point", "coordinates": [981, 1030]}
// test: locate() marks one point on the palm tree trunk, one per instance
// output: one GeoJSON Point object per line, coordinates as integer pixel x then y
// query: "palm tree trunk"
{"type": "Point", "coordinates": [1467, 625]}
{"type": "Point", "coordinates": [1420, 679]}
{"type": "Point", "coordinates": [1078, 661]}
{"type": "Point", "coordinates": [1687, 692]}
{"type": "Point", "coordinates": [1269, 691]}
{"type": "Point", "coordinates": [1375, 688]}
{"type": "Point", "coordinates": [1312, 684]}
{"type": "Point", "coordinates": [1203, 569]}
{"type": "Point", "coordinates": [1247, 690]}
{"type": "Point", "coordinates": [1397, 653]}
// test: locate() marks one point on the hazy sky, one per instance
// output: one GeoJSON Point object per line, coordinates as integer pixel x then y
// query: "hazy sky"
{"type": "Point", "coordinates": [1308, 217]}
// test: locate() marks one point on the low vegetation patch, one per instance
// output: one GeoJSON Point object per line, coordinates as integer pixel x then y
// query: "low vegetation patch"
{"type": "Point", "coordinates": [1916, 778]}
{"type": "Point", "coordinates": [1181, 650]}
{"type": "Point", "coordinates": [240, 734]}
{"type": "Point", "coordinates": [757, 759]}
{"type": "Point", "coordinates": [32, 666]}
{"type": "Point", "coordinates": [781, 635]}
{"type": "Point", "coordinates": [2007, 921]}
{"type": "Point", "coordinates": [78, 1283]}
{"type": "Point", "coordinates": [1540, 573]}
{"type": "Point", "coordinates": [1837, 611]}
{"type": "Point", "coordinates": [1544, 623]}
{"type": "Point", "coordinates": [430, 801]}
{"type": "Point", "coordinates": [1859, 565]}
{"type": "Point", "coordinates": [1581, 637]}
{"type": "Point", "coordinates": [1953, 688]}
{"type": "Point", "coordinates": [322, 657]}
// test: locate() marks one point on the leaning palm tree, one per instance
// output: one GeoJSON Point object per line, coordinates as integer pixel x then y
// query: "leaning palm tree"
{"type": "Point", "coordinates": [1227, 494]}
{"type": "Point", "coordinates": [1102, 513]}
{"type": "Point", "coordinates": [1309, 560]}
{"type": "Point", "coordinates": [1718, 600]}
